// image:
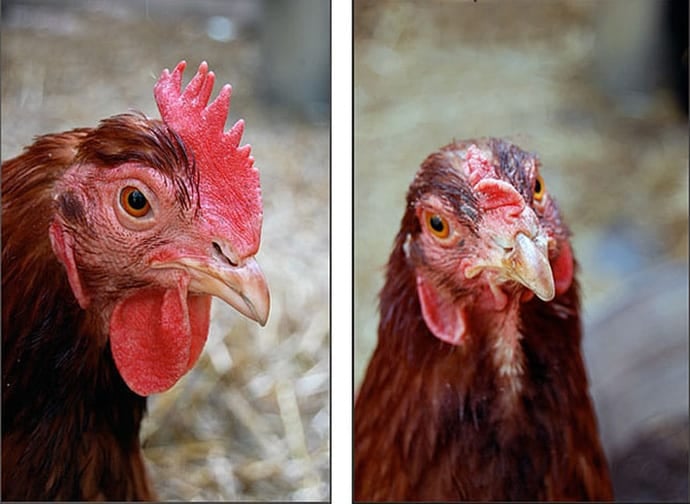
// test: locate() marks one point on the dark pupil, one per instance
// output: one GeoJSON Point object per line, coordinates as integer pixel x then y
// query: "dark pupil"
{"type": "Point", "coordinates": [537, 186]}
{"type": "Point", "coordinates": [136, 200]}
{"type": "Point", "coordinates": [436, 223]}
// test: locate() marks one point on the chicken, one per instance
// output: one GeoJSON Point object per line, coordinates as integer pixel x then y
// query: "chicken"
{"type": "Point", "coordinates": [114, 239]}
{"type": "Point", "coordinates": [477, 388]}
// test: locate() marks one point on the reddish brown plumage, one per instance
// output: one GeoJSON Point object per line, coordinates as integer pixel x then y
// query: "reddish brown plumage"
{"type": "Point", "coordinates": [436, 421]}
{"type": "Point", "coordinates": [70, 424]}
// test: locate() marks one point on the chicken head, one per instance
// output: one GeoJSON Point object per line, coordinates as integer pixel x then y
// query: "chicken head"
{"type": "Point", "coordinates": [491, 239]}
{"type": "Point", "coordinates": [155, 217]}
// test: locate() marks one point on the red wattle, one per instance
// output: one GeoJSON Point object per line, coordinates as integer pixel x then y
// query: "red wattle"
{"type": "Point", "coordinates": [444, 319]}
{"type": "Point", "coordinates": [563, 268]}
{"type": "Point", "coordinates": [157, 335]}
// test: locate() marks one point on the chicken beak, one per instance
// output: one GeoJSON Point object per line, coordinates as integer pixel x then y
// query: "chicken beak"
{"type": "Point", "coordinates": [528, 264]}
{"type": "Point", "coordinates": [243, 287]}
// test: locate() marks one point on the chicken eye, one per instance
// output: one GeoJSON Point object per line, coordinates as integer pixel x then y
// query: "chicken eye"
{"type": "Point", "coordinates": [437, 225]}
{"type": "Point", "coordinates": [134, 202]}
{"type": "Point", "coordinates": [539, 188]}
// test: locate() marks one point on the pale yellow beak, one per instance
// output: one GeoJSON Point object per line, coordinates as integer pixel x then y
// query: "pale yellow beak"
{"type": "Point", "coordinates": [522, 259]}
{"type": "Point", "coordinates": [241, 286]}
{"type": "Point", "coordinates": [528, 264]}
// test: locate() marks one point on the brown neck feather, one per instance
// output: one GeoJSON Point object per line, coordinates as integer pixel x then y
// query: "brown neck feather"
{"type": "Point", "coordinates": [64, 403]}
{"type": "Point", "coordinates": [429, 419]}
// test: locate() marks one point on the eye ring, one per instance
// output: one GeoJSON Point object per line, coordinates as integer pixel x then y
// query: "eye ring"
{"type": "Point", "coordinates": [437, 225]}
{"type": "Point", "coordinates": [134, 202]}
{"type": "Point", "coordinates": [539, 188]}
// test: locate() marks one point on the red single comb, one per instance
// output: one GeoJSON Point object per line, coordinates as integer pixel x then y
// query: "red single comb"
{"type": "Point", "coordinates": [229, 188]}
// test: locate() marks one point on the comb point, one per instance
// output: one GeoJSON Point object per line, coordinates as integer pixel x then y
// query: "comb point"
{"type": "Point", "coordinates": [202, 126]}
{"type": "Point", "coordinates": [207, 88]}
{"type": "Point", "coordinates": [234, 135]}
{"type": "Point", "coordinates": [179, 69]}
{"type": "Point", "coordinates": [217, 112]}
{"type": "Point", "coordinates": [223, 97]}
{"type": "Point", "coordinates": [175, 79]}
{"type": "Point", "coordinates": [245, 151]}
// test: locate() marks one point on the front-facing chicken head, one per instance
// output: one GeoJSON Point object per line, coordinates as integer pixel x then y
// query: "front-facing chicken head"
{"type": "Point", "coordinates": [489, 236]}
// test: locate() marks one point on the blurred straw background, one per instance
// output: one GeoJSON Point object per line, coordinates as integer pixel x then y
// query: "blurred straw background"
{"type": "Point", "coordinates": [251, 421]}
{"type": "Point", "coordinates": [596, 89]}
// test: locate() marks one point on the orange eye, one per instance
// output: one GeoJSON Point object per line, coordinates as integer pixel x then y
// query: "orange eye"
{"type": "Point", "coordinates": [539, 188]}
{"type": "Point", "coordinates": [437, 225]}
{"type": "Point", "coordinates": [134, 202]}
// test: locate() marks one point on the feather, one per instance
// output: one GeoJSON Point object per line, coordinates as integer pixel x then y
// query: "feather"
{"type": "Point", "coordinates": [504, 413]}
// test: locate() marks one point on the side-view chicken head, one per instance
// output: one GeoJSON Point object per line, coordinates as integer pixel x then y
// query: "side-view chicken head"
{"type": "Point", "coordinates": [154, 218]}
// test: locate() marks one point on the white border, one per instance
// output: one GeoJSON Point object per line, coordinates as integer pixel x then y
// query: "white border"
{"type": "Point", "coordinates": [341, 251]}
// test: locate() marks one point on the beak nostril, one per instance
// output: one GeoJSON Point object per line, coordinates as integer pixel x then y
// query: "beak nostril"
{"type": "Point", "coordinates": [219, 251]}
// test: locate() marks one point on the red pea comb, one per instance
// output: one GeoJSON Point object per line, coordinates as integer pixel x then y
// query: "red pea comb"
{"type": "Point", "coordinates": [229, 188]}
